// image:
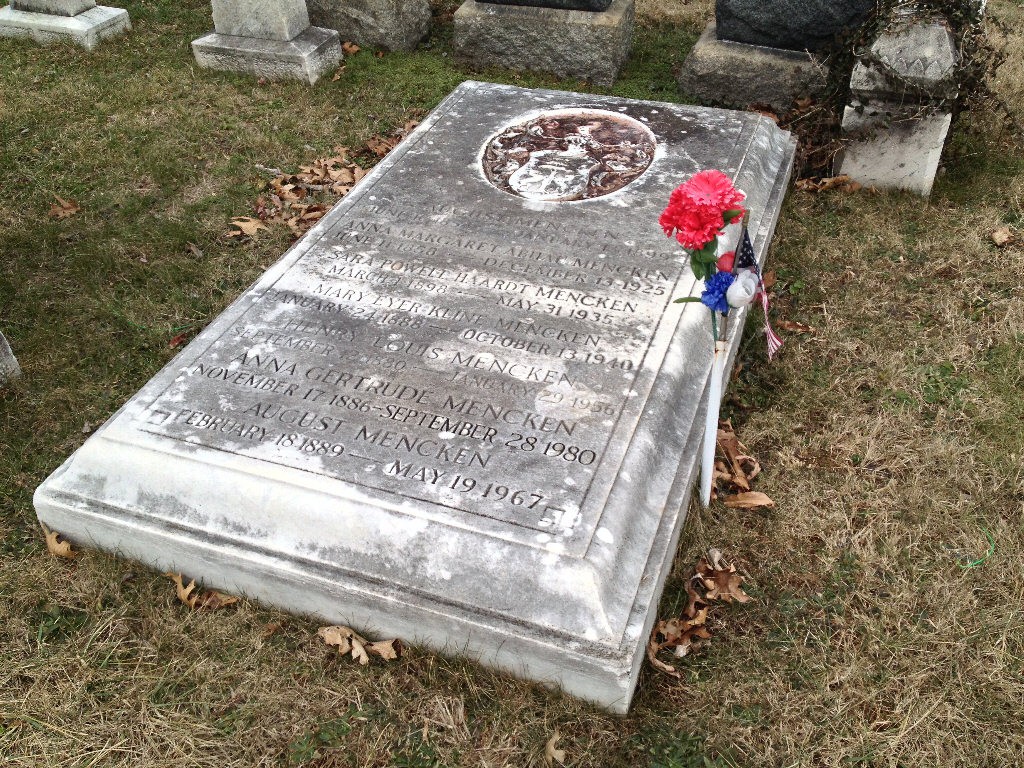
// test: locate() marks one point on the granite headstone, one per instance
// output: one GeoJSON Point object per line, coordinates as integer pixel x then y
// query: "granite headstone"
{"type": "Point", "coordinates": [794, 24]}
{"type": "Point", "coordinates": [392, 25]}
{"type": "Point", "coordinates": [463, 409]}
{"type": "Point", "coordinates": [566, 5]}
{"type": "Point", "coordinates": [588, 45]}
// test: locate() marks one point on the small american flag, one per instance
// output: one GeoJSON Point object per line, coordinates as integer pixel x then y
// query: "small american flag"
{"type": "Point", "coordinates": [747, 259]}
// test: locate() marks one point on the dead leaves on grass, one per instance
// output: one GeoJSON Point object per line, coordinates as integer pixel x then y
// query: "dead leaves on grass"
{"type": "Point", "coordinates": [713, 581]}
{"type": "Point", "coordinates": [794, 327]}
{"type": "Point", "coordinates": [199, 600]}
{"type": "Point", "coordinates": [1003, 237]}
{"type": "Point", "coordinates": [299, 200]}
{"type": "Point", "coordinates": [825, 184]}
{"type": "Point", "coordinates": [348, 641]}
{"type": "Point", "coordinates": [735, 470]}
{"type": "Point", "coordinates": [57, 545]}
{"type": "Point", "coordinates": [553, 755]}
{"type": "Point", "coordinates": [63, 209]}
{"type": "Point", "coordinates": [749, 500]}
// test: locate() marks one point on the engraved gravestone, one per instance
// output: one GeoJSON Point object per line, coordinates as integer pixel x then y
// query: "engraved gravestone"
{"type": "Point", "coordinates": [463, 409]}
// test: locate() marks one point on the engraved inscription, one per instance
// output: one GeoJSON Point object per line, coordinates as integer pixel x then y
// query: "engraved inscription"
{"type": "Point", "coordinates": [459, 357]}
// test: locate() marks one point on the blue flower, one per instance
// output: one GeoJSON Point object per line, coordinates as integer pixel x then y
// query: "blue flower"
{"type": "Point", "coordinates": [714, 292]}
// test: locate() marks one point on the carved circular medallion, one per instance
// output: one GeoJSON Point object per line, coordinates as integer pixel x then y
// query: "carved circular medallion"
{"type": "Point", "coordinates": [571, 154]}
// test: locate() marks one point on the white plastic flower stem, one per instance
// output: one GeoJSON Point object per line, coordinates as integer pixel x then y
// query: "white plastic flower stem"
{"type": "Point", "coordinates": [707, 473]}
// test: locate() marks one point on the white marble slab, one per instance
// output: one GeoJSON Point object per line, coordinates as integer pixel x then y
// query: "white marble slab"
{"type": "Point", "coordinates": [450, 413]}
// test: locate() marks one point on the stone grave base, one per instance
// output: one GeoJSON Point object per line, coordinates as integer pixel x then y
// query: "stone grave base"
{"type": "Point", "coordinates": [86, 29]}
{"type": "Point", "coordinates": [305, 57]}
{"type": "Point", "coordinates": [894, 152]}
{"type": "Point", "coordinates": [738, 75]}
{"type": "Point", "coordinates": [581, 44]}
{"type": "Point", "coordinates": [499, 468]}
{"type": "Point", "coordinates": [394, 25]}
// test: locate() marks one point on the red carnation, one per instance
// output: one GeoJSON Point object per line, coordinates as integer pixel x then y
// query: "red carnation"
{"type": "Point", "coordinates": [696, 209]}
{"type": "Point", "coordinates": [715, 190]}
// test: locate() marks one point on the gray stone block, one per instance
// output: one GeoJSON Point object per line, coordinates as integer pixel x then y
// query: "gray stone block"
{"type": "Point", "coordinates": [580, 44]}
{"type": "Point", "coordinates": [740, 75]}
{"type": "Point", "coordinates": [9, 369]}
{"type": "Point", "coordinates": [455, 412]}
{"type": "Point", "coordinates": [890, 147]}
{"type": "Point", "coordinates": [393, 25]}
{"type": "Point", "coordinates": [308, 56]}
{"type": "Point", "coordinates": [86, 28]}
{"type": "Point", "coordinates": [794, 24]}
{"type": "Point", "coordinates": [565, 5]}
{"type": "Point", "coordinates": [917, 61]}
{"type": "Point", "coordinates": [263, 19]}
{"type": "Point", "coordinates": [53, 7]}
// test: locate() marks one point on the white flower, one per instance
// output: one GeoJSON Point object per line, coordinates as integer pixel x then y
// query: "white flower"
{"type": "Point", "coordinates": [743, 289]}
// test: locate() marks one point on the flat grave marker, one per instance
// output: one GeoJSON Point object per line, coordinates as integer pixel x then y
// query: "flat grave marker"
{"type": "Point", "coordinates": [463, 409]}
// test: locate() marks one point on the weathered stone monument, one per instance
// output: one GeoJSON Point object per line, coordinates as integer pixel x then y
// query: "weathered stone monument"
{"type": "Point", "coordinates": [902, 94]}
{"type": "Point", "coordinates": [767, 52]}
{"type": "Point", "coordinates": [584, 39]}
{"type": "Point", "coordinates": [81, 21]}
{"type": "Point", "coordinates": [463, 409]}
{"type": "Point", "coordinates": [267, 38]}
{"type": "Point", "coordinates": [9, 369]}
{"type": "Point", "coordinates": [394, 25]}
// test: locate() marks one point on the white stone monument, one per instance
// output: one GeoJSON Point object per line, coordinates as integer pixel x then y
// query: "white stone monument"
{"type": "Point", "coordinates": [463, 410]}
{"type": "Point", "coordinates": [902, 96]}
{"type": "Point", "coordinates": [9, 369]}
{"type": "Point", "coordinates": [267, 38]}
{"type": "Point", "coordinates": [81, 21]}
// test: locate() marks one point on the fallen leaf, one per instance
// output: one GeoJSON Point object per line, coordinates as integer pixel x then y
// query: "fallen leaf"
{"type": "Point", "coordinates": [652, 656]}
{"type": "Point", "coordinates": [271, 628]}
{"type": "Point", "coordinates": [348, 641]}
{"type": "Point", "coordinates": [57, 545]}
{"type": "Point", "coordinates": [205, 600]}
{"type": "Point", "coordinates": [386, 649]}
{"type": "Point", "coordinates": [359, 651]}
{"type": "Point", "coordinates": [794, 327]}
{"type": "Point", "coordinates": [337, 75]}
{"type": "Point", "coordinates": [339, 636]}
{"type": "Point", "coordinates": [177, 340]}
{"type": "Point", "coordinates": [184, 592]}
{"type": "Point", "coordinates": [62, 209]}
{"type": "Point", "coordinates": [719, 579]}
{"type": "Point", "coordinates": [552, 755]}
{"type": "Point", "coordinates": [1002, 237]}
{"type": "Point", "coordinates": [804, 102]}
{"type": "Point", "coordinates": [212, 600]}
{"type": "Point", "coordinates": [350, 49]}
{"type": "Point", "coordinates": [749, 500]}
{"type": "Point", "coordinates": [195, 250]}
{"type": "Point", "coordinates": [247, 225]}
{"type": "Point", "coordinates": [379, 145]}
{"type": "Point", "coordinates": [841, 183]}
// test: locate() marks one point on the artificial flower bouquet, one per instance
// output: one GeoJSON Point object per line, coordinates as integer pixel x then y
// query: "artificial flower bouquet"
{"type": "Point", "coordinates": [697, 213]}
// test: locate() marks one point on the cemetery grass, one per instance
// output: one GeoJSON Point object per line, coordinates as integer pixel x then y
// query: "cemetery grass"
{"type": "Point", "coordinates": [886, 629]}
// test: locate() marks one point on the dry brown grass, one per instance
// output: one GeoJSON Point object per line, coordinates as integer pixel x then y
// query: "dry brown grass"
{"type": "Point", "coordinates": [890, 437]}
{"type": "Point", "coordinates": [696, 13]}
